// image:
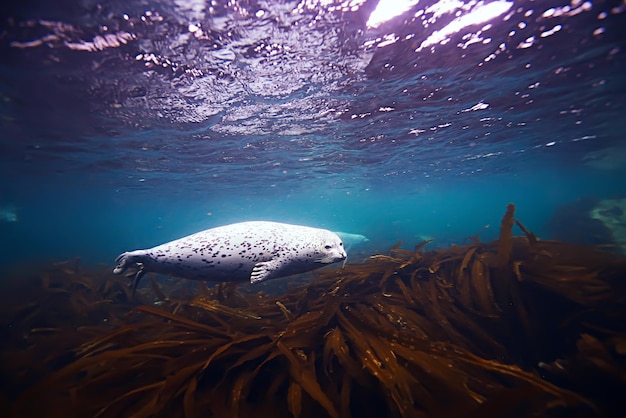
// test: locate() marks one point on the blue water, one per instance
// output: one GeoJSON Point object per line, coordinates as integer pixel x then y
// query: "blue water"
{"type": "Point", "coordinates": [190, 116]}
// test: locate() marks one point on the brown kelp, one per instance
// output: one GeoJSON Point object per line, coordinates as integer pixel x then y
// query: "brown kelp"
{"type": "Point", "coordinates": [514, 327]}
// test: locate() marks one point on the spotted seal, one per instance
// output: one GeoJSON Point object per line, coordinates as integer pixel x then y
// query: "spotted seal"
{"type": "Point", "coordinates": [350, 239]}
{"type": "Point", "coordinates": [254, 251]}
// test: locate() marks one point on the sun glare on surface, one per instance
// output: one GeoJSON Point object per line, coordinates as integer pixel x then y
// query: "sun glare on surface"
{"type": "Point", "coordinates": [480, 14]}
{"type": "Point", "coordinates": [388, 9]}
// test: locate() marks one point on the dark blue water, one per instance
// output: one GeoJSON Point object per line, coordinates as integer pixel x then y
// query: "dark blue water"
{"type": "Point", "coordinates": [127, 124]}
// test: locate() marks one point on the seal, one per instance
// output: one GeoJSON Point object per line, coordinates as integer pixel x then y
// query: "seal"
{"type": "Point", "coordinates": [350, 239]}
{"type": "Point", "coordinates": [254, 251]}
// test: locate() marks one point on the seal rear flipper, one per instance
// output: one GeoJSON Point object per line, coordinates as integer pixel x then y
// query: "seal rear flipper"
{"type": "Point", "coordinates": [133, 260]}
{"type": "Point", "coordinates": [264, 270]}
{"type": "Point", "coordinates": [130, 259]}
{"type": "Point", "coordinates": [123, 261]}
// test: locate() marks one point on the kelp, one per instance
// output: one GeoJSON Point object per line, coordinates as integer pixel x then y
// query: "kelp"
{"type": "Point", "coordinates": [513, 327]}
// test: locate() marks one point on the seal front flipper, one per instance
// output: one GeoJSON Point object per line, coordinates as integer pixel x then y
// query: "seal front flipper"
{"type": "Point", "coordinates": [264, 270]}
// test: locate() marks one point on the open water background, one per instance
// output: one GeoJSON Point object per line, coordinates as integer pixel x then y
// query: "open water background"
{"type": "Point", "coordinates": [128, 124]}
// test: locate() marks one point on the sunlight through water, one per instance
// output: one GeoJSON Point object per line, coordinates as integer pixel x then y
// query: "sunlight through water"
{"type": "Point", "coordinates": [387, 10]}
{"type": "Point", "coordinates": [481, 13]}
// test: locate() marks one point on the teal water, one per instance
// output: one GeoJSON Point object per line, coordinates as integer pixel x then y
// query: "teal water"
{"type": "Point", "coordinates": [300, 112]}
{"type": "Point", "coordinates": [97, 224]}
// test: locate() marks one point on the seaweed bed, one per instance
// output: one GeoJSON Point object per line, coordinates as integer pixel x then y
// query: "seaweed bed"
{"type": "Point", "coordinates": [514, 327]}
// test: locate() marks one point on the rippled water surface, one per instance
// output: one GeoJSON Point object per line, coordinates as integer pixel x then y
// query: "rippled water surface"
{"type": "Point", "coordinates": [126, 124]}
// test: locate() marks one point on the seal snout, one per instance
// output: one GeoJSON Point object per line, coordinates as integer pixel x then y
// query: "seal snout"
{"type": "Point", "coordinates": [343, 256]}
{"type": "Point", "coordinates": [339, 255]}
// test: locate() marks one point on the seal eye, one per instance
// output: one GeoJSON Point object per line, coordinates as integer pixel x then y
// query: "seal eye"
{"type": "Point", "coordinates": [328, 247]}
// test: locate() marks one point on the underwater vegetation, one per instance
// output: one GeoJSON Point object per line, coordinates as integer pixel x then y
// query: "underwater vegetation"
{"type": "Point", "coordinates": [516, 327]}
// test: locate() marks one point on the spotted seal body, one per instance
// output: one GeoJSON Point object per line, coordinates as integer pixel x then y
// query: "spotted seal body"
{"type": "Point", "coordinates": [253, 251]}
{"type": "Point", "coordinates": [350, 239]}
